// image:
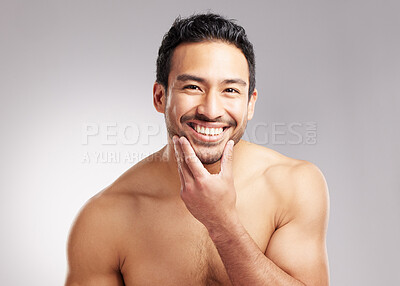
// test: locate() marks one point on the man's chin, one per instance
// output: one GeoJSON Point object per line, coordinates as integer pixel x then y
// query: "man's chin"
{"type": "Point", "coordinates": [209, 160]}
{"type": "Point", "coordinates": [208, 155]}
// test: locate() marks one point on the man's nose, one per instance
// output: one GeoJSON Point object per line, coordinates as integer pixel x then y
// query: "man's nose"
{"type": "Point", "coordinates": [211, 105]}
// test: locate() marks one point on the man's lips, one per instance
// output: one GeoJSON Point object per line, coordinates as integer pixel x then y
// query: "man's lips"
{"type": "Point", "coordinates": [208, 124]}
{"type": "Point", "coordinates": [207, 131]}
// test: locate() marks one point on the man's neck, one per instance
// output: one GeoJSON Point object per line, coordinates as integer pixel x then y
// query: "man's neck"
{"type": "Point", "coordinates": [213, 168]}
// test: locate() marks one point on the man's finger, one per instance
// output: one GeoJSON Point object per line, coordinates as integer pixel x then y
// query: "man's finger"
{"type": "Point", "coordinates": [227, 159]}
{"type": "Point", "coordinates": [182, 166]}
{"type": "Point", "coordinates": [192, 161]}
{"type": "Point", "coordinates": [182, 179]}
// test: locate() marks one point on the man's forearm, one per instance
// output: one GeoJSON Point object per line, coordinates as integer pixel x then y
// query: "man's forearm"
{"type": "Point", "coordinates": [243, 260]}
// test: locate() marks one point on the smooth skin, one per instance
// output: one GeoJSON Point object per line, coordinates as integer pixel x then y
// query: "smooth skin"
{"type": "Point", "coordinates": [250, 216]}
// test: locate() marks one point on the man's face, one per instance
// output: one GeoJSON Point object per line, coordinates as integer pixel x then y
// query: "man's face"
{"type": "Point", "coordinates": [207, 97]}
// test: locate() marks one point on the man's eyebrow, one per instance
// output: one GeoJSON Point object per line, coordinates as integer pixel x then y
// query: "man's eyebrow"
{"type": "Point", "coordinates": [235, 80]}
{"type": "Point", "coordinates": [187, 77]}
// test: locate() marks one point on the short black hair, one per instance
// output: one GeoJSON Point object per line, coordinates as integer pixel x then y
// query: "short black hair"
{"type": "Point", "coordinates": [199, 28]}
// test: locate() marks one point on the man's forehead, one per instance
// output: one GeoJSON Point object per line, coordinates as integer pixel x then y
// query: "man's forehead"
{"type": "Point", "coordinates": [209, 58]}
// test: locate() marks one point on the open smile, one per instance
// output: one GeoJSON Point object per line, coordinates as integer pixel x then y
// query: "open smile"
{"type": "Point", "coordinates": [207, 131]}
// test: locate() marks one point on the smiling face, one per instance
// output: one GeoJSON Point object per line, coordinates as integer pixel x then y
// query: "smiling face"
{"type": "Point", "coordinates": [207, 99]}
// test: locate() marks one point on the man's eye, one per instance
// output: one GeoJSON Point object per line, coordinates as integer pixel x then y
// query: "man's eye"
{"type": "Point", "coordinates": [191, 86]}
{"type": "Point", "coordinates": [231, 90]}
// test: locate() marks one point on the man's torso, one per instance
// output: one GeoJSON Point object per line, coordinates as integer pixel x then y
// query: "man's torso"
{"type": "Point", "coordinates": [161, 243]}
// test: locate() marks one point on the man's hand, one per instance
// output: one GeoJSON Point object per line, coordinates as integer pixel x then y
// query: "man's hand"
{"type": "Point", "coordinates": [210, 198]}
{"type": "Point", "coordinates": [297, 248]}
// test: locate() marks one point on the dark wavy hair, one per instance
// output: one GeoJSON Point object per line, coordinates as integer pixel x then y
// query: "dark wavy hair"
{"type": "Point", "coordinates": [199, 28]}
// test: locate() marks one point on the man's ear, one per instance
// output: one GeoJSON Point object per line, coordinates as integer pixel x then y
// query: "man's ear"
{"type": "Point", "coordinates": [159, 99]}
{"type": "Point", "coordinates": [251, 104]}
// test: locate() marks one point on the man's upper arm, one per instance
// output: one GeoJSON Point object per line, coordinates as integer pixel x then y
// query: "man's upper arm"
{"type": "Point", "coordinates": [299, 246]}
{"type": "Point", "coordinates": [92, 257]}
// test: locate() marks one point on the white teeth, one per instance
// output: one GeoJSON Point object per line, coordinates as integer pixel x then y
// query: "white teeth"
{"type": "Point", "coordinates": [207, 131]}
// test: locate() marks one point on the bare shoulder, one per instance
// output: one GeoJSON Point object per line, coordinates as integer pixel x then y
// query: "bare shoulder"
{"type": "Point", "coordinates": [96, 240]}
{"type": "Point", "coordinates": [300, 184]}
{"type": "Point", "coordinates": [298, 244]}
{"type": "Point", "coordinates": [269, 161]}
{"type": "Point", "coordinates": [93, 245]}
{"type": "Point", "coordinates": [107, 213]}
{"type": "Point", "coordinates": [101, 215]}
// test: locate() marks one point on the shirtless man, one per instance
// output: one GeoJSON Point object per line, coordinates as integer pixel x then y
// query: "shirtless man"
{"type": "Point", "coordinates": [208, 208]}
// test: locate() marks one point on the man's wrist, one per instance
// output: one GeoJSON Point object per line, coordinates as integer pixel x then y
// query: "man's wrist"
{"type": "Point", "coordinates": [226, 229]}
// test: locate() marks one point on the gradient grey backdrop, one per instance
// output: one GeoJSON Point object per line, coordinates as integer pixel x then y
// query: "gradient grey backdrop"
{"type": "Point", "coordinates": [64, 64]}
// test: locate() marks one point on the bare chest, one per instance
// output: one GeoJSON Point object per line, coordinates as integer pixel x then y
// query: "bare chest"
{"type": "Point", "coordinates": [170, 247]}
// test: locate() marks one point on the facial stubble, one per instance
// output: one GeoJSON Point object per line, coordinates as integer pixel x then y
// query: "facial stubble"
{"type": "Point", "coordinates": [207, 155]}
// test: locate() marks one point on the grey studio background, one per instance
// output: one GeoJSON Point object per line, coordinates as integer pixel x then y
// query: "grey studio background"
{"type": "Point", "coordinates": [76, 112]}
